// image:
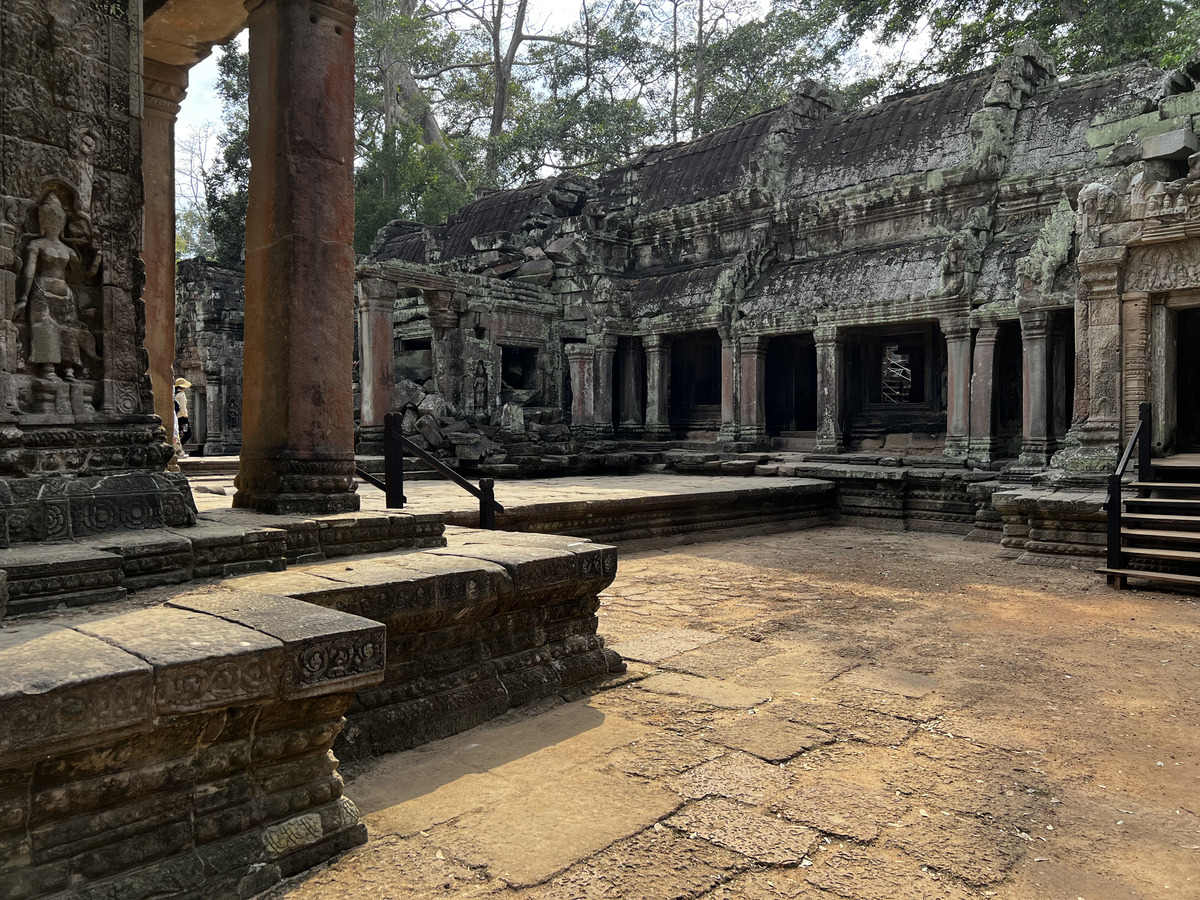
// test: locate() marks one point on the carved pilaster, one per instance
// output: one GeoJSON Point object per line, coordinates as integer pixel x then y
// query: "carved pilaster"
{"type": "Point", "coordinates": [830, 388]}
{"type": "Point", "coordinates": [753, 422]}
{"type": "Point", "coordinates": [658, 369]}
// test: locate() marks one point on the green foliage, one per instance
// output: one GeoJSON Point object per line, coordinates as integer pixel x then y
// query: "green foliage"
{"type": "Point", "coordinates": [227, 184]}
{"type": "Point", "coordinates": [1082, 35]}
{"type": "Point", "coordinates": [403, 179]}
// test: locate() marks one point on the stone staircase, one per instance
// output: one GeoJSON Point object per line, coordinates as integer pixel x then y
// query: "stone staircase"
{"type": "Point", "coordinates": [1160, 528]}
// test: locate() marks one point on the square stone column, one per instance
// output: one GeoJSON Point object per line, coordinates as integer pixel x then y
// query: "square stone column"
{"type": "Point", "coordinates": [581, 362]}
{"type": "Point", "coordinates": [830, 374]}
{"type": "Point", "coordinates": [958, 386]}
{"type": "Point", "coordinates": [729, 423]}
{"type": "Point", "coordinates": [163, 89]}
{"type": "Point", "coordinates": [377, 357]}
{"type": "Point", "coordinates": [632, 377]}
{"type": "Point", "coordinates": [753, 413]}
{"type": "Point", "coordinates": [298, 432]}
{"type": "Point", "coordinates": [1035, 394]}
{"type": "Point", "coordinates": [983, 379]}
{"type": "Point", "coordinates": [603, 374]}
{"type": "Point", "coordinates": [658, 374]}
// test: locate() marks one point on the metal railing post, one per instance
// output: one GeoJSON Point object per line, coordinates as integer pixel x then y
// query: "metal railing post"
{"type": "Point", "coordinates": [393, 462]}
{"type": "Point", "coordinates": [1114, 523]}
{"type": "Point", "coordinates": [1145, 470]}
{"type": "Point", "coordinates": [487, 504]}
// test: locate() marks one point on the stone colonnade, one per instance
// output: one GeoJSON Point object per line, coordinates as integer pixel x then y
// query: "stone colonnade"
{"type": "Point", "coordinates": [972, 373]}
{"type": "Point", "coordinates": [298, 418]}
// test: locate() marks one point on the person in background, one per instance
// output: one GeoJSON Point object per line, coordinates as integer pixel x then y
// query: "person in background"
{"type": "Point", "coordinates": [183, 428]}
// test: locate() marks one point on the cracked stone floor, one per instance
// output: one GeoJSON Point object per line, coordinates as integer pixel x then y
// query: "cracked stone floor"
{"type": "Point", "coordinates": [837, 713]}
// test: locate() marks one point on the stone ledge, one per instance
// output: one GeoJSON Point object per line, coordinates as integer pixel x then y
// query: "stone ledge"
{"type": "Point", "coordinates": [177, 751]}
{"type": "Point", "coordinates": [118, 673]}
{"type": "Point", "coordinates": [492, 621]}
{"type": "Point", "coordinates": [223, 544]}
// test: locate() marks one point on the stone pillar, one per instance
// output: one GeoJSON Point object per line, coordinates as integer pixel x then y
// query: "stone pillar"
{"type": "Point", "coordinates": [1035, 393]}
{"type": "Point", "coordinates": [164, 88]}
{"type": "Point", "coordinates": [632, 378]}
{"type": "Point", "coordinates": [1093, 441]}
{"type": "Point", "coordinates": [658, 374]}
{"type": "Point", "coordinates": [581, 362]}
{"type": "Point", "coordinates": [376, 356]}
{"type": "Point", "coordinates": [446, 346]}
{"type": "Point", "coordinates": [298, 431]}
{"type": "Point", "coordinates": [830, 373]}
{"type": "Point", "coordinates": [957, 332]}
{"type": "Point", "coordinates": [753, 418]}
{"type": "Point", "coordinates": [1135, 357]}
{"type": "Point", "coordinates": [603, 402]}
{"type": "Point", "coordinates": [983, 379]}
{"type": "Point", "coordinates": [729, 423]}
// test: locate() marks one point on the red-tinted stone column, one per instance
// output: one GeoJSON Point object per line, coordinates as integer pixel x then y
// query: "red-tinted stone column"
{"type": "Point", "coordinates": [1035, 394]}
{"type": "Point", "coordinates": [581, 362]}
{"type": "Point", "coordinates": [729, 423]}
{"type": "Point", "coordinates": [830, 366]}
{"type": "Point", "coordinates": [754, 405]}
{"type": "Point", "coordinates": [957, 332]}
{"type": "Point", "coordinates": [163, 90]}
{"type": "Point", "coordinates": [298, 427]}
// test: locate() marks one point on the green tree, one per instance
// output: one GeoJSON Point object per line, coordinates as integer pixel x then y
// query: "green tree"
{"type": "Point", "coordinates": [227, 183]}
{"type": "Point", "coordinates": [403, 178]}
{"type": "Point", "coordinates": [963, 35]}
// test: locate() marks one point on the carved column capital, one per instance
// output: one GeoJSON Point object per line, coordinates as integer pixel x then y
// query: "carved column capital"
{"type": "Point", "coordinates": [955, 329]}
{"type": "Point", "coordinates": [164, 87]}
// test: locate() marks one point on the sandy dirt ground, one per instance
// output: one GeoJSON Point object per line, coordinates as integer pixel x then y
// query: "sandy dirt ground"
{"type": "Point", "coordinates": [827, 714]}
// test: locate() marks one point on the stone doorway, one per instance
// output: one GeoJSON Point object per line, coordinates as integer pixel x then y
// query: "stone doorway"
{"type": "Point", "coordinates": [695, 392]}
{"type": "Point", "coordinates": [1007, 392]}
{"type": "Point", "coordinates": [791, 384]}
{"type": "Point", "coordinates": [1187, 380]}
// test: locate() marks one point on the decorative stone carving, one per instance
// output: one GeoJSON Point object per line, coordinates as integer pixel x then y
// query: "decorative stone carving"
{"type": "Point", "coordinates": [55, 310]}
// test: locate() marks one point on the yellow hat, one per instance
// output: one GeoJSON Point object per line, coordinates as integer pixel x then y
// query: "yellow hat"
{"type": "Point", "coordinates": [182, 383]}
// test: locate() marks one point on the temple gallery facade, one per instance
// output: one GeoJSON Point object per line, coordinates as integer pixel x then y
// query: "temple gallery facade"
{"type": "Point", "coordinates": [996, 270]}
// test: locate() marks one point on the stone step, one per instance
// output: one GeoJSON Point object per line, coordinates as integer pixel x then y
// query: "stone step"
{"type": "Point", "coordinates": [44, 576]}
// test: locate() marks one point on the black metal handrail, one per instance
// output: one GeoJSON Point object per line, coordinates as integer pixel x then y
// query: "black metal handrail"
{"type": "Point", "coordinates": [394, 446]}
{"type": "Point", "coordinates": [1145, 475]}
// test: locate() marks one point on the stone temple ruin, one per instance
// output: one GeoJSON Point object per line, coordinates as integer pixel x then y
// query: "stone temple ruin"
{"type": "Point", "coordinates": [977, 281]}
{"type": "Point", "coordinates": [953, 302]}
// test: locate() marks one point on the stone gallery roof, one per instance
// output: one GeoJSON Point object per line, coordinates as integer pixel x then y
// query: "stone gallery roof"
{"type": "Point", "coordinates": [674, 292]}
{"type": "Point", "coordinates": [871, 277]}
{"type": "Point", "coordinates": [914, 132]}
{"type": "Point", "coordinates": [684, 173]}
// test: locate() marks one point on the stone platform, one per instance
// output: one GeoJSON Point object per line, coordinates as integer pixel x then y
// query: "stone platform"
{"type": "Point", "coordinates": [177, 750]}
{"type": "Point", "coordinates": [491, 621]}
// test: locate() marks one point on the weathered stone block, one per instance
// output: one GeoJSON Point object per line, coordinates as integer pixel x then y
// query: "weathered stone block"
{"type": "Point", "coordinates": [200, 662]}
{"type": "Point", "coordinates": [60, 687]}
{"type": "Point", "coordinates": [42, 577]}
{"type": "Point", "coordinates": [324, 650]}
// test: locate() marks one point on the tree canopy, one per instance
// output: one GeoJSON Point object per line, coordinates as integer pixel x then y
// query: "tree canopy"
{"type": "Point", "coordinates": [458, 95]}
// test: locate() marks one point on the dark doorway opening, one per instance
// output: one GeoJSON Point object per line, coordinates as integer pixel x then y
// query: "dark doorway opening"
{"type": "Point", "coordinates": [1187, 381]}
{"type": "Point", "coordinates": [1007, 391]}
{"type": "Point", "coordinates": [791, 384]}
{"type": "Point", "coordinates": [695, 395]}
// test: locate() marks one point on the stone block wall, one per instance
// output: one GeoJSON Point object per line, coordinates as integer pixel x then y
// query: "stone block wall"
{"type": "Point", "coordinates": [493, 621]}
{"type": "Point", "coordinates": [184, 750]}
{"type": "Point", "coordinates": [75, 399]}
